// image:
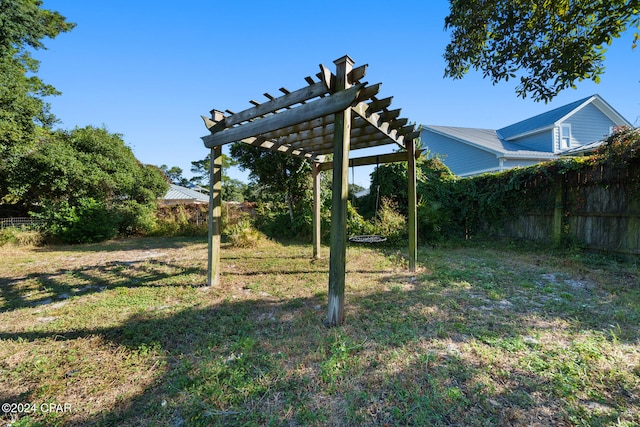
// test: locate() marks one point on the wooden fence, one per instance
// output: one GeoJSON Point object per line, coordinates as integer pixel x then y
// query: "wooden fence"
{"type": "Point", "coordinates": [598, 209]}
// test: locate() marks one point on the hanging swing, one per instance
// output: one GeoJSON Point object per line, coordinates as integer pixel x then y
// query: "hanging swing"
{"type": "Point", "coordinates": [369, 238]}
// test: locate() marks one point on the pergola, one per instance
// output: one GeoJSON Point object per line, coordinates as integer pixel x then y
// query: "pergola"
{"type": "Point", "coordinates": [335, 115]}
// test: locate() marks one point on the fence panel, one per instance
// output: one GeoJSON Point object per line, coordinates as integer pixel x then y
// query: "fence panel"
{"type": "Point", "coordinates": [20, 222]}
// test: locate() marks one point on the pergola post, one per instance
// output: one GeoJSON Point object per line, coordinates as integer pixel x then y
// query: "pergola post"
{"type": "Point", "coordinates": [316, 209]}
{"type": "Point", "coordinates": [341, 147]}
{"type": "Point", "coordinates": [413, 208]}
{"type": "Point", "coordinates": [215, 216]}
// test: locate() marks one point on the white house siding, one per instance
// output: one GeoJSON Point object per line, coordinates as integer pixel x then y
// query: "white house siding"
{"type": "Point", "coordinates": [461, 158]}
{"type": "Point", "coordinates": [588, 124]}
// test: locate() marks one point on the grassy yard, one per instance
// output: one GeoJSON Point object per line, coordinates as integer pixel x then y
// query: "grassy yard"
{"type": "Point", "coordinates": [124, 333]}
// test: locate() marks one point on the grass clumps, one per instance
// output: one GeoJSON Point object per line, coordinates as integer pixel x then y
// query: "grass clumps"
{"type": "Point", "coordinates": [480, 335]}
{"type": "Point", "coordinates": [243, 234]}
{"type": "Point", "coordinates": [21, 237]}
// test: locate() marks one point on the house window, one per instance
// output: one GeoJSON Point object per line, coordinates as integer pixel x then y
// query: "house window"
{"type": "Point", "coordinates": [565, 136]}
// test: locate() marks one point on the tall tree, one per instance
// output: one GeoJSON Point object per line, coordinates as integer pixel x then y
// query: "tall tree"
{"type": "Point", "coordinates": [174, 175]}
{"type": "Point", "coordinates": [201, 169]}
{"type": "Point", "coordinates": [232, 189]}
{"type": "Point", "coordinates": [23, 111]}
{"type": "Point", "coordinates": [282, 175]}
{"type": "Point", "coordinates": [85, 162]}
{"type": "Point", "coordinates": [551, 44]}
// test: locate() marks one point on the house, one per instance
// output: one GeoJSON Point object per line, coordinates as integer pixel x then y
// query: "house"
{"type": "Point", "coordinates": [178, 195]}
{"type": "Point", "coordinates": [565, 130]}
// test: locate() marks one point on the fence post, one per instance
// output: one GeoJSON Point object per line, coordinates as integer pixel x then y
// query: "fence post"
{"type": "Point", "coordinates": [558, 211]}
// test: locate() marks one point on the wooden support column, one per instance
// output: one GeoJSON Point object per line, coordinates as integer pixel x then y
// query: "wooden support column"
{"type": "Point", "coordinates": [558, 211]}
{"type": "Point", "coordinates": [215, 216]}
{"type": "Point", "coordinates": [341, 141]}
{"type": "Point", "coordinates": [413, 203]}
{"type": "Point", "coordinates": [316, 209]}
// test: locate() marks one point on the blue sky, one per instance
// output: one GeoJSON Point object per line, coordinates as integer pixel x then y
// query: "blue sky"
{"type": "Point", "coordinates": [149, 69]}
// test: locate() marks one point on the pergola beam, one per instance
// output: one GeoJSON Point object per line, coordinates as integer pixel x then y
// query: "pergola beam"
{"type": "Point", "coordinates": [363, 110]}
{"type": "Point", "coordinates": [400, 156]}
{"type": "Point", "coordinates": [335, 115]}
{"type": "Point", "coordinates": [323, 106]}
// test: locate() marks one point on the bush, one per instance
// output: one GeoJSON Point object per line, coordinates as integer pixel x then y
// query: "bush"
{"type": "Point", "coordinates": [356, 223]}
{"type": "Point", "coordinates": [135, 219]}
{"type": "Point", "coordinates": [21, 237]}
{"type": "Point", "coordinates": [244, 235]}
{"type": "Point", "coordinates": [390, 223]}
{"type": "Point", "coordinates": [181, 221]}
{"type": "Point", "coordinates": [86, 222]}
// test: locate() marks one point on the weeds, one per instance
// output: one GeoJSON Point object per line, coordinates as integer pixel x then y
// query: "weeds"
{"type": "Point", "coordinates": [126, 334]}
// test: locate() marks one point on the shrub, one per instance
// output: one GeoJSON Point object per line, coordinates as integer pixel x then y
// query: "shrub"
{"type": "Point", "coordinates": [356, 223]}
{"type": "Point", "coordinates": [87, 221]}
{"type": "Point", "coordinates": [390, 223]}
{"type": "Point", "coordinates": [243, 234]}
{"type": "Point", "coordinates": [135, 219]}
{"type": "Point", "coordinates": [21, 237]}
{"type": "Point", "coordinates": [181, 221]}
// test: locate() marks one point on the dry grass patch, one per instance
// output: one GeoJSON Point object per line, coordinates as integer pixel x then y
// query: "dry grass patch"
{"type": "Point", "coordinates": [126, 334]}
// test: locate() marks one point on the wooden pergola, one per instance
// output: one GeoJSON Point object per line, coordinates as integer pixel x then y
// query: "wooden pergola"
{"type": "Point", "coordinates": [334, 115]}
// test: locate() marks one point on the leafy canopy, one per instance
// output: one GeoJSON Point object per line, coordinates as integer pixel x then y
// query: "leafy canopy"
{"type": "Point", "coordinates": [84, 162]}
{"type": "Point", "coordinates": [23, 111]}
{"type": "Point", "coordinates": [284, 176]}
{"type": "Point", "coordinates": [551, 43]}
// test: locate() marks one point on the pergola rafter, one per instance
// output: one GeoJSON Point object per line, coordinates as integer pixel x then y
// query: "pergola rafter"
{"type": "Point", "coordinates": [336, 114]}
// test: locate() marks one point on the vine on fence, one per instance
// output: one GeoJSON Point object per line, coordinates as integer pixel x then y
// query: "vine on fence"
{"type": "Point", "coordinates": [483, 203]}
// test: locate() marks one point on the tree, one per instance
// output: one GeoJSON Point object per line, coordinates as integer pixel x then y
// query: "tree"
{"type": "Point", "coordinates": [552, 43]}
{"type": "Point", "coordinates": [23, 111]}
{"type": "Point", "coordinates": [86, 167]}
{"type": "Point", "coordinates": [284, 176]}
{"type": "Point", "coordinates": [232, 189]}
{"type": "Point", "coordinates": [174, 175]}
{"type": "Point", "coordinates": [23, 26]}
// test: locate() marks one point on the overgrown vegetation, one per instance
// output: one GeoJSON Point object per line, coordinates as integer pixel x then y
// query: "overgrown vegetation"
{"type": "Point", "coordinates": [482, 335]}
{"type": "Point", "coordinates": [454, 208]}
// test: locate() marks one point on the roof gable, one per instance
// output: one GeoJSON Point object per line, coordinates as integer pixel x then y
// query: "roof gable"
{"type": "Point", "coordinates": [541, 121]}
{"type": "Point", "coordinates": [551, 118]}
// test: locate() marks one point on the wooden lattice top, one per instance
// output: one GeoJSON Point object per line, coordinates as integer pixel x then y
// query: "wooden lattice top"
{"type": "Point", "coordinates": [301, 122]}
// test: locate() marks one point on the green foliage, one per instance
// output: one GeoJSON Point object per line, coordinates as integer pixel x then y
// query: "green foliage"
{"type": "Point", "coordinates": [134, 219]}
{"type": "Point", "coordinates": [23, 26]}
{"type": "Point", "coordinates": [179, 221]}
{"type": "Point", "coordinates": [233, 190]}
{"type": "Point", "coordinates": [463, 208]}
{"type": "Point", "coordinates": [281, 177]}
{"type": "Point", "coordinates": [481, 204]}
{"type": "Point", "coordinates": [621, 148]}
{"type": "Point", "coordinates": [21, 237]}
{"type": "Point", "coordinates": [87, 221]}
{"type": "Point", "coordinates": [553, 44]}
{"type": "Point", "coordinates": [390, 223]}
{"type": "Point", "coordinates": [356, 223]}
{"type": "Point", "coordinates": [65, 168]}
{"type": "Point", "coordinates": [243, 234]}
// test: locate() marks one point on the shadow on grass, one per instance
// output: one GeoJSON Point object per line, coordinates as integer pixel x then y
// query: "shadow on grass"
{"type": "Point", "coordinates": [64, 283]}
{"type": "Point", "coordinates": [126, 244]}
{"type": "Point", "coordinates": [450, 347]}
{"type": "Point", "coordinates": [406, 356]}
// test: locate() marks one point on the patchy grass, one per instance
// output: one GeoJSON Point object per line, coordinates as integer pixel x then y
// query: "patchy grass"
{"type": "Point", "coordinates": [124, 333]}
